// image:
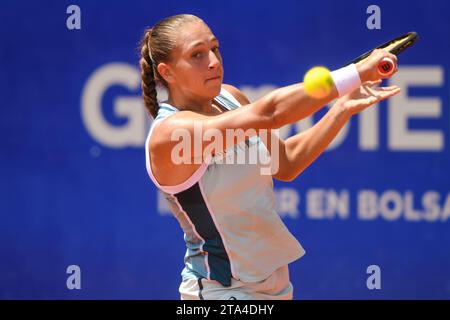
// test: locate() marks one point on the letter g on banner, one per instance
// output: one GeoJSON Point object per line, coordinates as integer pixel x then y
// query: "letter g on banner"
{"type": "Point", "coordinates": [133, 133]}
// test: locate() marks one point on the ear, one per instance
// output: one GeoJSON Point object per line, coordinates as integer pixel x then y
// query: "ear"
{"type": "Point", "coordinates": [166, 72]}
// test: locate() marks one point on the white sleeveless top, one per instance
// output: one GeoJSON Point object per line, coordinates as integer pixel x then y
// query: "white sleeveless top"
{"type": "Point", "coordinates": [227, 213]}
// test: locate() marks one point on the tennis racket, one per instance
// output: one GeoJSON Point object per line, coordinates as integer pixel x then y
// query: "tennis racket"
{"type": "Point", "coordinates": [394, 46]}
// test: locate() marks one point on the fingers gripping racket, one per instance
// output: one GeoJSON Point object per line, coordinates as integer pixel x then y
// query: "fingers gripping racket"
{"type": "Point", "coordinates": [394, 46]}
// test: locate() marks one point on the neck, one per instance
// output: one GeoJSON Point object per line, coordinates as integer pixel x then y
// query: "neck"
{"type": "Point", "coordinates": [182, 102]}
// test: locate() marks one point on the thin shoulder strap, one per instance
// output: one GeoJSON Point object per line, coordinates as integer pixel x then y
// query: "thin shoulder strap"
{"type": "Point", "coordinates": [225, 101]}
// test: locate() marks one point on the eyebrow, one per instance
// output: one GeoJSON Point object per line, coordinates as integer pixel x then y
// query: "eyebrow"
{"type": "Point", "coordinates": [198, 43]}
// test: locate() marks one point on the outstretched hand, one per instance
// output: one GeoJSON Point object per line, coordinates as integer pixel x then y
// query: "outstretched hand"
{"type": "Point", "coordinates": [366, 95]}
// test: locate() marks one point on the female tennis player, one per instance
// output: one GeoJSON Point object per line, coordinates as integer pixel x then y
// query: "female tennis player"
{"type": "Point", "coordinates": [237, 245]}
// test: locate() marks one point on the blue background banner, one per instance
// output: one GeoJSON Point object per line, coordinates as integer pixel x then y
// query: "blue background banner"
{"type": "Point", "coordinates": [74, 187]}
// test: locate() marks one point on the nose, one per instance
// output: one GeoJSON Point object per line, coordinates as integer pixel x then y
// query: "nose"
{"type": "Point", "coordinates": [214, 61]}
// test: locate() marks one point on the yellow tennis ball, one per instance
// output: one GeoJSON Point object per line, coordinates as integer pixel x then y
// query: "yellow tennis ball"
{"type": "Point", "coordinates": [318, 82]}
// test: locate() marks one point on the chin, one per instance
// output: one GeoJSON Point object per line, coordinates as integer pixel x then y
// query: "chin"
{"type": "Point", "coordinates": [214, 90]}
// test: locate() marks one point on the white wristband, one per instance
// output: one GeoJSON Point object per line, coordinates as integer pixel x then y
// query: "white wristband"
{"type": "Point", "coordinates": [346, 79]}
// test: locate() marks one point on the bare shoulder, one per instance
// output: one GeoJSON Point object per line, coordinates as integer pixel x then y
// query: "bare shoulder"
{"type": "Point", "coordinates": [160, 139]}
{"type": "Point", "coordinates": [238, 94]}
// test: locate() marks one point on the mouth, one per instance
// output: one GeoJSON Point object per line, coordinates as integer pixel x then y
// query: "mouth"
{"type": "Point", "coordinates": [213, 79]}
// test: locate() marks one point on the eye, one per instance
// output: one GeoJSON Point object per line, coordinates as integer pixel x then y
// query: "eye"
{"type": "Point", "coordinates": [216, 49]}
{"type": "Point", "coordinates": [197, 55]}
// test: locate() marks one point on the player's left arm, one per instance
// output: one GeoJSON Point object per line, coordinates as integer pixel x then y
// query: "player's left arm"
{"type": "Point", "coordinates": [297, 152]}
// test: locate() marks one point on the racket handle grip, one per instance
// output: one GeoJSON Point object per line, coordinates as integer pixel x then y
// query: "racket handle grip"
{"type": "Point", "coordinates": [386, 67]}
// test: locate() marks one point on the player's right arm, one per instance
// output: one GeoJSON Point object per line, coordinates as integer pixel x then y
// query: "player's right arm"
{"type": "Point", "coordinates": [280, 107]}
